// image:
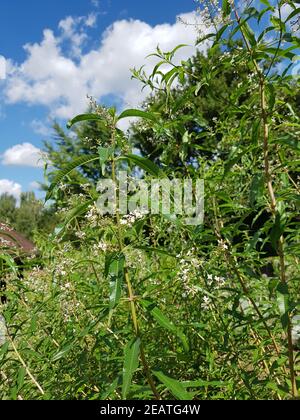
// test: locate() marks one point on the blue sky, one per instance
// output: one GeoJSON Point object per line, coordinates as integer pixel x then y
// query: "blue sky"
{"type": "Point", "coordinates": [65, 40]}
{"type": "Point", "coordinates": [59, 51]}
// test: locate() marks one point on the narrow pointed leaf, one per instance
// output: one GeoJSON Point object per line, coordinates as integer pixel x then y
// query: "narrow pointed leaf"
{"type": "Point", "coordinates": [138, 113]}
{"type": "Point", "coordinates": [283, 303]}
{"type": "Point", "coordinates": [143, 163]}
{"type": "Point", "coordinates": [131, 363]}
{"type": "Point", "coordinates": [82, 160]}
{"type": "Point", "coordinates": [84, 117]}
{"type": "Point", "coordinates": [114, 271]}
{"type": "Point", "coordinates": [168, 325]}
{"type": "Point", "coordinates": [174, 386]}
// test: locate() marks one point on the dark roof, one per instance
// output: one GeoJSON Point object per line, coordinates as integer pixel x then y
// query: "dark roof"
{"type": "Point", "coordinates": [13, 241]}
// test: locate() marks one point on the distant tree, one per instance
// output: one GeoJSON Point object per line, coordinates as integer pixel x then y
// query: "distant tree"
{"type": "Point", "coordinates": [7, 207]}
{"type": "Point", "coordinates": [84, 139]}
{"type": "Point", "coordinates": [29, 216]}
{"type": "Point", "coordinates": [191, 109]}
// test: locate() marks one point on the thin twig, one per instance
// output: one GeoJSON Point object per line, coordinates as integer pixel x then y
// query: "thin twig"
{"type": "Point", "coordinates": [25, 366]}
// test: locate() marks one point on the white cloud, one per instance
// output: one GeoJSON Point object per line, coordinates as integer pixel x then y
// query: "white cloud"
{"type": "Point", "coordinates": [39, 127]}
{"type": "Point", "coordinates": [55, 78]}
{"type": "Point", "coordinates": [2, 67]}
{"type": "Point", "coordinates": [25, 154]}
{"type": "Point", "coordinates": [34, 185]}
{"type": "Point", "coordinates": [10, 187]}
{"type": "Point", "coordinates": [91, 20]}
{"type": "Point", "coordinates": [285, 10]}
{"type": "Point", "coordinates": [95, 3]}
{"type": "Point", "coordinates": [73, 30]}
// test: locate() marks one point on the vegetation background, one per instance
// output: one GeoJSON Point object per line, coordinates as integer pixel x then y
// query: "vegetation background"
{"type": "Point", "coordinates": [146, 307]}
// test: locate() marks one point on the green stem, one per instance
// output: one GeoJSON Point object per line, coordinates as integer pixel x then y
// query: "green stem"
{"type": "Point", "coordinates": [273, 203]}
{"type": "Point", "coordinates": [280, 244]}
{"type": "Point", "coordinates": [131, 295]}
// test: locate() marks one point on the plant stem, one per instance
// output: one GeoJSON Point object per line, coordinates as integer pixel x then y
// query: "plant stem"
{"type": "Point", "coordinates": [280, 244]}
{"type": "Point", "coordinates": [273, 203]}
{"type": "Point", "coordinates": [131, 295]}
{"type": "Point", "coordinates": [25, 366]}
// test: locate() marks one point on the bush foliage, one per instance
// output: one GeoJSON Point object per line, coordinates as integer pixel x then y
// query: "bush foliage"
{"type": "Point", "coordinates": [145, 306]}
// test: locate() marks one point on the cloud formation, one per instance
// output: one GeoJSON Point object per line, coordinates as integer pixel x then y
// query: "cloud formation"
{"type": "Point", "coordinates": [60, 78]}
{"type": "Point", "coordinates": [2, 67]}
{"type": "Point", "coordinates": [41, 128]}
{"type": "Point", "coordinates": [25, 154]}
{"type": "Point", "coordinates": [10, 187]}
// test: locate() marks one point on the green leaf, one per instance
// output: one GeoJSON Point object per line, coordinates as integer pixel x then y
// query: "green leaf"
{"type": "Point", "coordinates": [199, 86]}
{"type": "Point", "coordinates": [62, 352]}
{"type": "Point", "coordinates": [82, 160]}
{"type": "Point", "coordinates": [111, 389]}
{"type": "Point", "coordinates": [263, 33]}
{"type": "Point", "coordinates": [160, 63]}
{"type": "Point", "coordinates": [167, 76]}
{"type": "Point", "coordinates": [143, 163]}
{"type": "Point", "coordinates": [138, 113]}
{"type": "Point", "coordinates": [115, 287]}
{"type": "Point", "coordinates": [84, 117]}
{"type": "Point", "coordinates": [163, 320]}
{"type": "Point", "coordinates": [155, 250]}
{"type": "Point", "coordinates": [131, 363]}
{"type": "Point", "coordinates": [246, 30]}
{"type": "Point", "coordinates": [205, 37]}
{"type": "Point", "coordinates": [226, 7]}
{"type": "Point", "coordinates": [168, 325]}
{"type": "Point", "coordinates": [233, 158]}
{"type": "Point", "coordinates": [105, 153]}
{"type": "Point", "coordinates": [283, 303]}
{"type": "Point", "coordinates": [221, 32]}
{"type": "Point", "coordinates": [10, 262]}
{"type": "Point", "coordinates": [114, 271]}
{"type": "Point", "coordinates": [249, 34]}
{"type": "Point", "coordinates": [277, 230]}
{"type": "Point", "coordinates": [172, 53]}
{"type": "Point", "coordinates": [75, 212]}
{"type": "Point", "coordinates": [21, 377]}
{"type": "Point", "coordinates": [203, 383]}
{"type": "Point", "coordinates": [266, 2]}
{"type": "Point", "coordinates": [292, 14]}
{"type": "Point", "coordinates": [271, 96]}
{"type": "Point", "coordinates": [257, 188]}
{"type": "Point", "coordinates": [174, 386]}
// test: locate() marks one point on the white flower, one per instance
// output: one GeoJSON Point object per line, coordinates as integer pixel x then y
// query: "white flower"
{"type": "Point", "coordinates": [222, 244]}
{"type": "Point", "coordinates": [220, 280]}
{"type": "Point", "coordinates": [3, 330]}
{"type": "Point", "coordinates": [101, 245]}
{"type": "Point", "coordinates": [80, 234]}
{"type": "Point", "coordinates": [129, 219]}
{"type": "Point", "coordinates": [205, 303]}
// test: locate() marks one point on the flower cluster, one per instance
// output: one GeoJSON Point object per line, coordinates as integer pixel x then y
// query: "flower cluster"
{"type": "Point", "coordinates": [215, 281]}
{"type": "Point", "coordinates": [131, 218]}
{"type": "Point", "coordinates": [222, 244]}
{"type": "Point", "coordinates": [3, 330]}
{"type": "Point", "coordinates": [205, 305]}
{"type": "Point", "coordinates": [100, 246]}
{"type": "Point", "coordinates": [64, 266]}
{"type": "Point", "coordinates": [100, 110]}
{"type": "Point", "coordinates": [210, 14]}
{"type": "Point", "coordinates": [93, 216]}
{"type": "Point", "coordinates": [80, 234]}
{"type": "Point", "coordinates": [188, 271]}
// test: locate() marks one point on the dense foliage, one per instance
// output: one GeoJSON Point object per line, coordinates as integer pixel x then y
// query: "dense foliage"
{"type": "Point", "coordinates": [146, 306]}
{"type": "Point", "coordinates": [27, 217]}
